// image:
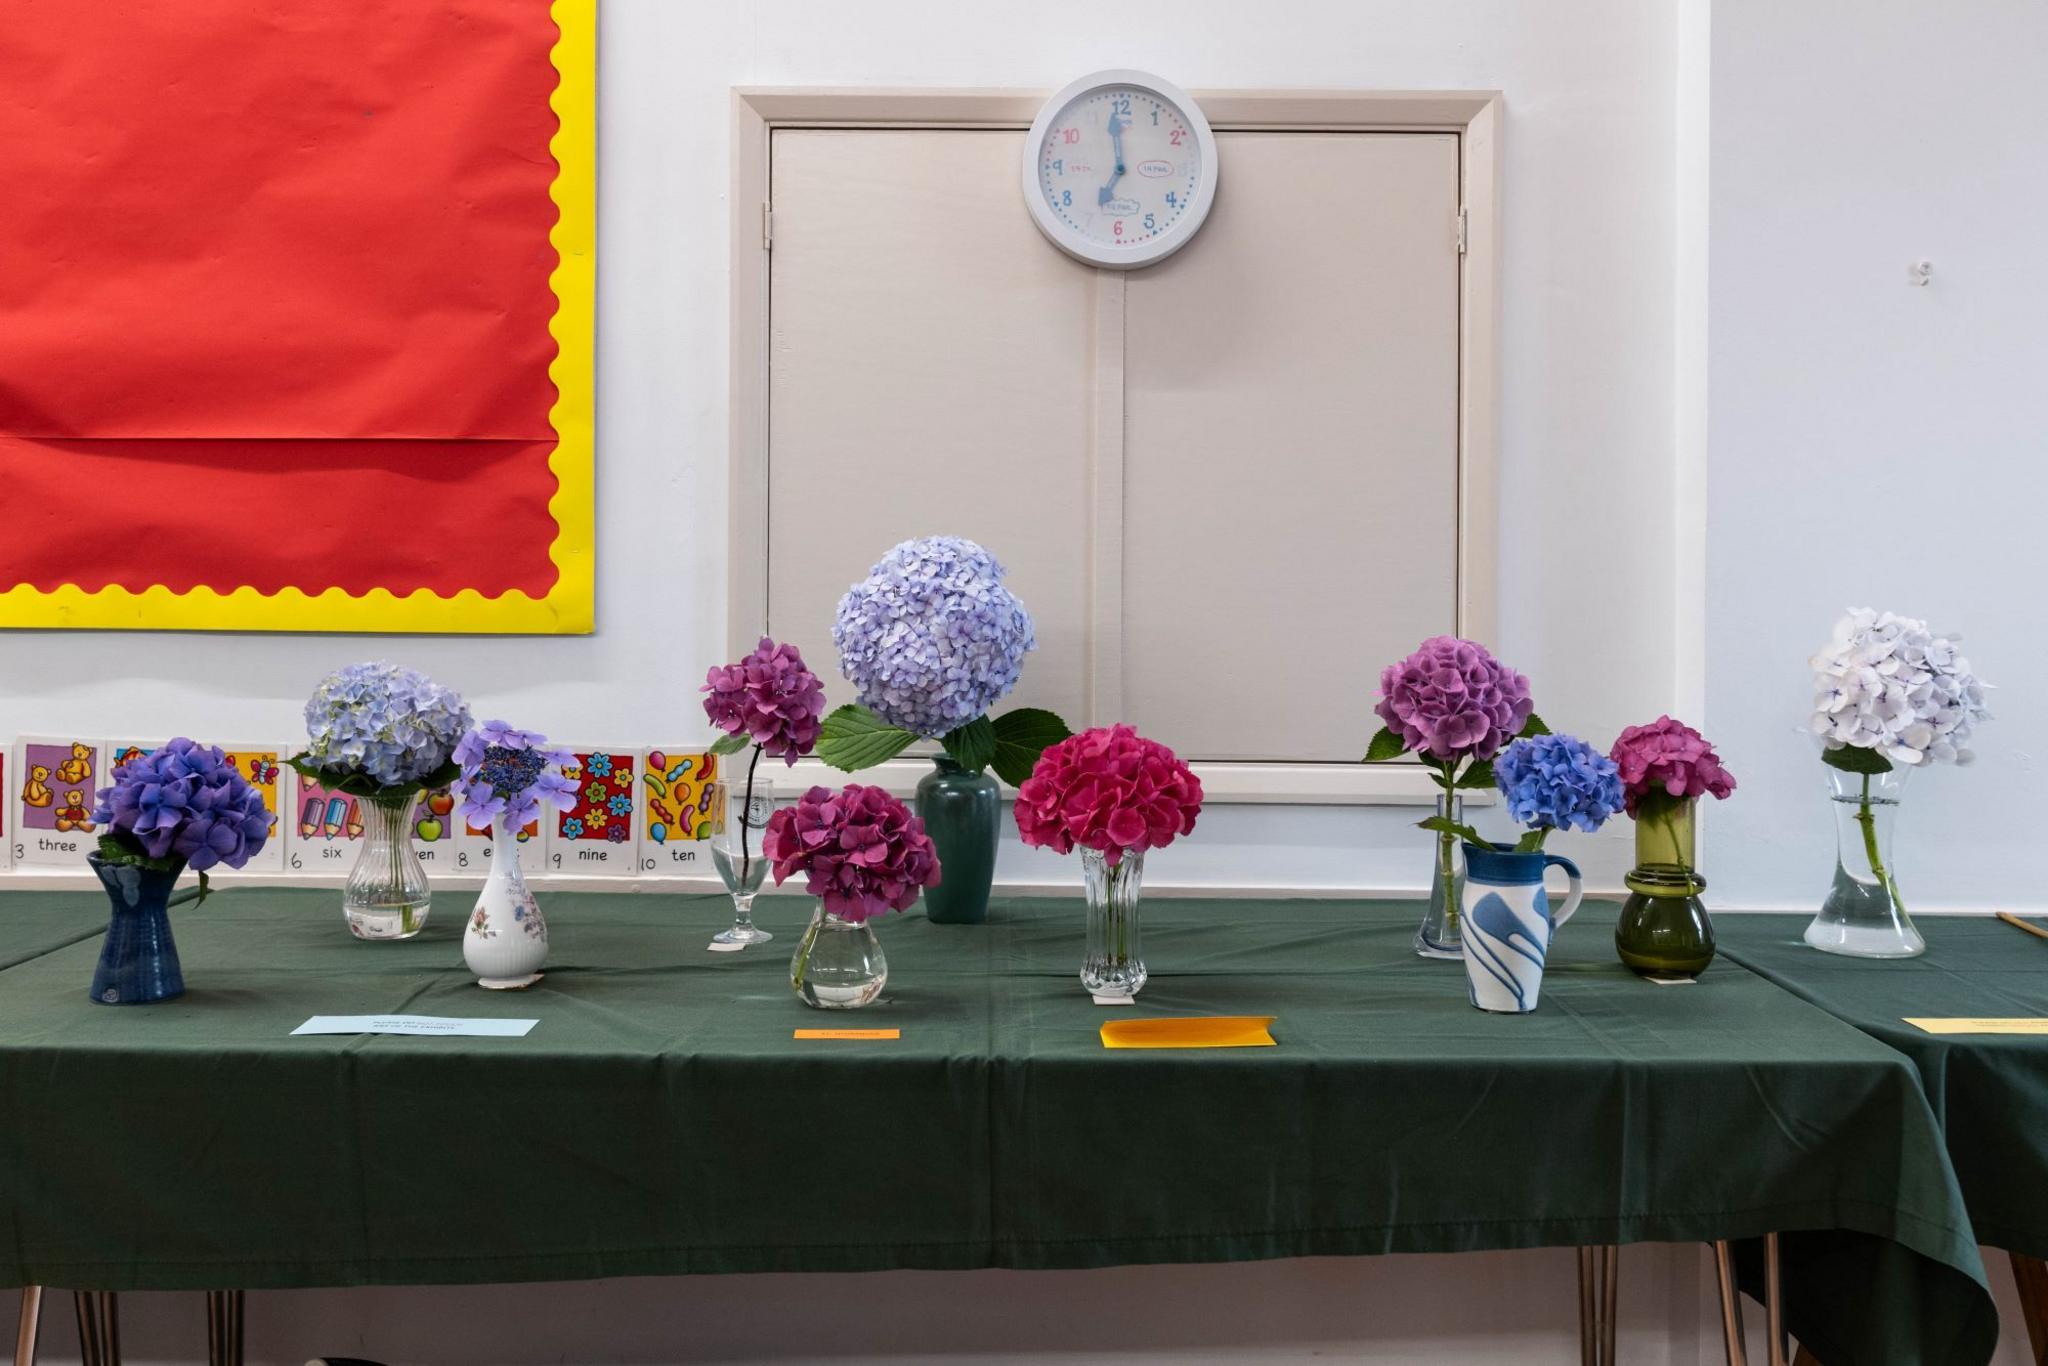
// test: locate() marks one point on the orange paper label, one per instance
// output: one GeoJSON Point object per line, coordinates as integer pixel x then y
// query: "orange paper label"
{"type": "Point", "coordinates": [849, 1034]}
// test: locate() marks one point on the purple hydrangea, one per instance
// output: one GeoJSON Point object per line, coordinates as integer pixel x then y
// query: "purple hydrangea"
{"type": "Point", "coordinates": [392, 725]}
{"type": "Point", "coordinates": [931, 639]}
{"type": "Point", "coordinates": [860, 850]}
{"type": "Point", "coordinates": [1558, 782]}
{"type": "Point", "coordinates": [510, 773]}
{"type": "Point", "coordinates": [1452, 699]}
{"type": "Point", "coordinates": [184, 802]}
{"type": "Point", "coordinates": [770, 697]}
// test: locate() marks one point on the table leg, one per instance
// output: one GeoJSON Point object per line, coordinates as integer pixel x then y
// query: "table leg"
{"type": "Point", "coordinates": [1774, 1301]}
{"type": "Point", "coordinates": [99, 1327]}
{"type": "Point", "coordinates": [224, 1315]}
{"type": "Point", "coordinates": [1586, 1350]}
{"type": "Point", "coordinates": [31, 1318]}
{"type": "Point", "coordinates": [1599, 1275]}
{"type": "Point", "coordinates": [1731, 1305]}
{"type": "Point", "coordinates": [2030, 1275]}
{"type": "Point", "coordinates": [1805, 1358]}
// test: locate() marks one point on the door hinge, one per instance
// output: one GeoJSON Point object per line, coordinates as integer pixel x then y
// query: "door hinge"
{"type": "Point", "coordinates": [1461, 231]}
{"type": "Point", "coordinates": [767, 227]}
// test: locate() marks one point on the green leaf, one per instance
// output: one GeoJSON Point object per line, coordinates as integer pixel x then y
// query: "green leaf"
{"type": "Point", "coordinates": [1385, 745]}
{"type": "Point", "coordinates": [118, 851]}
{"type": "Point", "coordinates": [357, 784]}
{"type": "Point", "coordinates": [1443, 826]}
{"type": "Point", "coordinates": [1021, 736]}
{"type": "Point", "coordinates": [731, 744]}
{"type": "Point", "coordinates": [1479, 773]}
{"type": "Point", "coordinates": [972, 745]}
{"type": "Point", "coordinates": [1531, 841]}
{"type": "Point", "coordinates": [1855, 759]}
{"type": "Point", "coordinates": [854, 738]}
{"type": "Point", "coordinates": [1533, 726]}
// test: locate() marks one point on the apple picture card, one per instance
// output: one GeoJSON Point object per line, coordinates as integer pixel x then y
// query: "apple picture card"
{"type": "Point", "coordinates": [596, 834]}
{"type": "Point", "coordinates": [51, 792]}
{"type": "Point", "coordinates": [436, 830]}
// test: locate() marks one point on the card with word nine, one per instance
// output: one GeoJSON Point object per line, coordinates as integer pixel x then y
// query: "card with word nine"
{"type": "Point", "coordinates": [596, 835]}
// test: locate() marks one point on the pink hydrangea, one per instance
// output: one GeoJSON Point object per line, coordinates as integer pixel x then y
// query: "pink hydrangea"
{"type": "Point", "coordinates": [861, 851]}
{"type": "Point", "coordinates": [1452, 699]}
{"type": "Point", "coordinates": [1671, 757]}
{"type": "Point", "coordinates": [769, 697]}
{"type": "Point", "coordinates": [1109, 789]}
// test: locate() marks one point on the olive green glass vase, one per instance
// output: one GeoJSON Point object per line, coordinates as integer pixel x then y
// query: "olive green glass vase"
{"type": "Point", "coordinates": [1664, 931]}
{"type": "Point", "coordinates": [962, 812]}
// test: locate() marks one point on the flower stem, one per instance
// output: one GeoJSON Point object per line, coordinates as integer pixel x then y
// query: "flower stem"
{"type": "Point", "coordinates": [747, 818]}
{"type": "Point", "coordinates": [802, 965]}
{"type": "Point", "coordinates": [1867, 818]}
{"type": "Point", "coordinates": [1447, 852]}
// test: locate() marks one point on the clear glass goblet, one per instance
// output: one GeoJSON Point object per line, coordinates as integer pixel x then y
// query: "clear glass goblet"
{"type": "Point", "coordinates": [739, 821]}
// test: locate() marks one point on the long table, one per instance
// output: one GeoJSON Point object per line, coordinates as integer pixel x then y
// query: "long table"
{"type": "Point", "coordinates": [662, 1118]}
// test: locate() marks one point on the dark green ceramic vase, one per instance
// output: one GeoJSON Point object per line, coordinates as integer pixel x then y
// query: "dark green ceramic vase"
{"type": "Point", "coordinates": [961, 811]}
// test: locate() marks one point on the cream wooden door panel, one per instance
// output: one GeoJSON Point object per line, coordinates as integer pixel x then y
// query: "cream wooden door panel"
{"type": "Point", "coordinates": [928, 373]}
{"type": "Point", "coordinates": [1291, 446]}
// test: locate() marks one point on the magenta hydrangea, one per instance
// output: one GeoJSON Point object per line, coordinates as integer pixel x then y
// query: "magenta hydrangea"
{"type": "Point", "coordinates": [1671, 757]}
{"type": "Point", "coordinates": [769, 697]}
{"type": "Point", "coordinates": [1452, 699]}
{"type": "Point", "coordinates": [861, 851]}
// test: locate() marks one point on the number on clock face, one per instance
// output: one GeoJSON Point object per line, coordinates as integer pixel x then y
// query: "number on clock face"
{"type": "Point", "coordinates": [1119, 166]}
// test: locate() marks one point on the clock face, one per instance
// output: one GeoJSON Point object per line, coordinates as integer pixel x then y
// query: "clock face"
{"type": "Point", "coordinates": [1120, 171]}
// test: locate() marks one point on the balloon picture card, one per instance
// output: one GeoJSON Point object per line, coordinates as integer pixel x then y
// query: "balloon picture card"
{"type": "Point", "coordinates": [53, 787]}
{"type": "Point", "coordinates": [675, 810]}
{"type": "Point", "coordinates": [596, 835]}
{"type": "Point", "coordinates": [302, 306]}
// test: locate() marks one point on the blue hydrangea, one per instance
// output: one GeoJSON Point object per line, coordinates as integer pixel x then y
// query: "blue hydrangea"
{"type": "Point", "coordinates": [1559, 782]}
{"type": "Point", "coordinates": [393, 725]}
{"type": "Point", "coordinates": [931, 639]}
{"type": "Point", "coordinates": [186, 803]}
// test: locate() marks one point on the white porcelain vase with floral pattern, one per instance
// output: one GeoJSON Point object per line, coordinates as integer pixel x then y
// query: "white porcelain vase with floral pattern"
{"type": "Point", "coordinates": [506, 939]}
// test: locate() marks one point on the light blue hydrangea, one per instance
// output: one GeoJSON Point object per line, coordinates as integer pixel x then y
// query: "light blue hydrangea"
{"type": "Point", "coordinates": [393, 725]}
{"type": "Point", "coordinates": [931, 639]}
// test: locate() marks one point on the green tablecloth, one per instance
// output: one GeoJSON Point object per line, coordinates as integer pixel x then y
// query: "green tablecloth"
{"type": "Point", "coordinates": [661, 1118]}
{"type": "Point", "coordinates": [33, 923]}
{"type": "Point", "coordinates": [1989, 1091]}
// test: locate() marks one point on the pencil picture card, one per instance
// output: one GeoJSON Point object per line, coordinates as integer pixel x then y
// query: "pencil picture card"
{"type": "Point", "coordinates": [263, 768]}
{"type": "Point", "coordinates": [323, 828]}
{"type": "Point", "coordinates": [675, 810]}
{"type": "Point", "coordinates": [596, 835]}
{"type": "Point", "coordinates": [53, 788]}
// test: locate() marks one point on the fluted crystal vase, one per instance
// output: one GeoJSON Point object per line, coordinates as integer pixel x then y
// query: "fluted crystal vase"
{"type": "Point", "coordinates": [1115, 965]}
{"type": "Point", "coordinates": [1438, 937]}
{"type": "Point", "coordinates": [1664, 932]}
{"type": "Point", "coordinates": [1863, 915]}
{"type": "Point", "coordinates": [386, 895]}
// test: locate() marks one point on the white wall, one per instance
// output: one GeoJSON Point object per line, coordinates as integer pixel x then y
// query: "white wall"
{"type": "Point", "coordinates": [1586, 579]}
{"type": "Point", "coordinates": [1872, 443]}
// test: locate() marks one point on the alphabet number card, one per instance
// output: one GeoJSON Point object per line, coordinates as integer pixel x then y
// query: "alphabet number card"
{"type": "Point", "coordinates": [52, 791]}
{"type": "Point", "coordinates": [596, 835]}
{"type": "Point", "coordinates": [675, 806]}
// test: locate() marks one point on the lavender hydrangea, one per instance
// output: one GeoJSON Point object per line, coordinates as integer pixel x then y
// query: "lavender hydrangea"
{"type": "Point", "coordinates": [183, 803]}
{"type": "Point", "coordinates": [931, 639]}
{"type": "Point", "coordinates": [1452, 699]}
{"type": "Point", "coordinates": [1887, 683]}
{"type": "Point", "coordinates": [391, 726]}
{"type": "Point", "coordinates": [509, 773]}
{"type": "Point", "coordinates": [1558, 782]}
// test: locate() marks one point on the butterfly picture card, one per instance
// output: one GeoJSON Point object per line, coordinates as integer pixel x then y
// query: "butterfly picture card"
{"type": "Point", "coordinates": [263, 767]}
{"type": "Point", "coordinates": [596, 834]}
{"type": "Point", "coordinates": [675, 810]}
{"type": "Point", "coordinates": [51, 793]}
{"type": "Point", "coordinates": [322, 828]}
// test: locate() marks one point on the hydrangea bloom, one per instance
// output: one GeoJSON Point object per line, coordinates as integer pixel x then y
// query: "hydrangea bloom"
{"type": "Point", "coordinates": [1671, 757]}
{"type": "Point", "coordinates": [769, 697]}
{"type": "Point", "coordinates": [510, 773]}
{"type": "Point", "coordinates": [187, 803]}
{"type": "Point", "coordinates": [392, 725]}
{"type": "Point", "coordinates": [1452, 699]}
{"type": "Point", "coordinates": [861, 851]}
{"type": "Point", "coordinates": [1109, 789]}
{"type": "Point", "coordinates": [1888, 683]}
{"type": "Point", "coordinates": [1558, 782]}
{"type": "Point", "coordinates": [931, 639]}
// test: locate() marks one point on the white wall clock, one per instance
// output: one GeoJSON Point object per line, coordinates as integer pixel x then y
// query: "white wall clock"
{"type": "Point", "coordinates": [1120, 169]}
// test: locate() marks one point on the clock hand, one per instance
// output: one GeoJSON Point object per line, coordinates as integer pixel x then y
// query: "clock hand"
{"type": "Point", "coordinates": [1116, 142]}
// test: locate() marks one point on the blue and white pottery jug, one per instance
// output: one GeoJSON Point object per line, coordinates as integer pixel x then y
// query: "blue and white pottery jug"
{"type": "Point", "coordinates": [1508, 924]}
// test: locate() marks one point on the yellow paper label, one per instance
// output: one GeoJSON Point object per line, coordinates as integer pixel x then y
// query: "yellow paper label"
{"type": "Point", "coordinates": [1190, 1031]}
{"type": "Point", "coordinates": [849, 1034]}
{"type": "Point", "coordinates": [1981, 1024]}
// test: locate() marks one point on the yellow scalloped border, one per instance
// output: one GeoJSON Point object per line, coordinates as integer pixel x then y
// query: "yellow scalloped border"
{"type": "Point", "coordinates": [569, 608]}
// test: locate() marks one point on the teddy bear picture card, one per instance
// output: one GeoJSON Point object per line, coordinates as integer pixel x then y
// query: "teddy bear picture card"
{"type": "Point", "coordinates": [51, 788]}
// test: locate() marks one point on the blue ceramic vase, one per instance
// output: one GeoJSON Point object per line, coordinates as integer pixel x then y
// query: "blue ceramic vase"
{"type": "Point", "coordinates": [139, 960]}
{"type": "Point", "coordinates": [1508, 925]}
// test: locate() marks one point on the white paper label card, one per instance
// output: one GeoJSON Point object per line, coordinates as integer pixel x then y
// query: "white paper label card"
{"type": "Point", "coordinates": [449, 1025]}
{"type": "Point", "coordinates": [675, 810]}
{"type": "Point", "coordinates": [596, 834]}
{"type": "Point", "coordinates": [52, 792]}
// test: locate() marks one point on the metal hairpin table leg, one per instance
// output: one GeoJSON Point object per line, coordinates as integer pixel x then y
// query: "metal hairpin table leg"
{"type": "Point", "coordinates": [99, 1327]}
{"type": "Point", "coordinates": [1599, 1273]}
{"type": "Point", "coordinates": [31, 1317]}
{"type": "Point", "coordinates": [1774, 1301]}
{"type": "Point", "coordinates": [2030, 1276]}
{"type": "Point", "coordinates": [1731, 1305]}
{"type": "Point", "coordinates": [224, 1314]}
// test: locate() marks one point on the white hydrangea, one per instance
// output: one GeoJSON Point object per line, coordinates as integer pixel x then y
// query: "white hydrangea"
{"type": "Point", "coordinates": [1887, 683]}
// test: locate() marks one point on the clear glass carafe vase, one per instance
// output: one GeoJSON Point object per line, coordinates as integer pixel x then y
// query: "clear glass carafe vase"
{"type": "Point", "coordinates": [386, 895]}
{"type": "Point", "coordinates": [1863, 915]}
{"type": "Point", "coordinates": [1115, 965]}
{"type": "Point", "coordinates": [1438, 937]}
{"type": "Point", "coordinates": [838, 964]}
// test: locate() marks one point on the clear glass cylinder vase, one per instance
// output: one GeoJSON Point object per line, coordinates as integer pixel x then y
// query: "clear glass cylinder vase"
{"type": "Point", "coordinates": [1863, 915]}
{"type": "Point", "coordinates": [1663, 931]}
{"type": "Point", "coordinates": [386, 895]}
{"type": "Point", "coordinates": [1438, 936]}
{"type": "Point", "coordinates": [1115, 965]}
{"type": "Point", "coordinates": [838, 964]}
